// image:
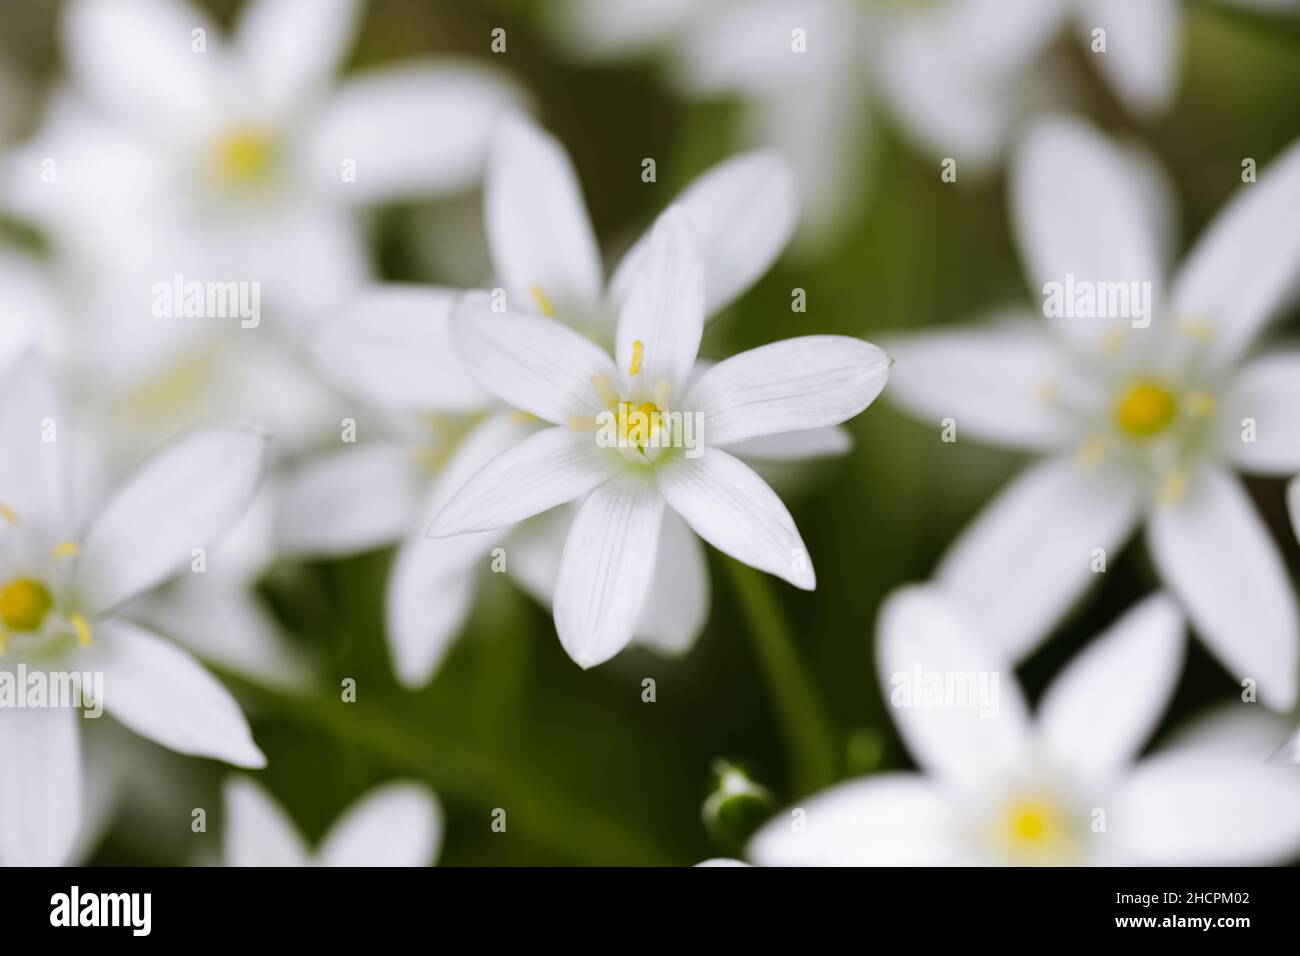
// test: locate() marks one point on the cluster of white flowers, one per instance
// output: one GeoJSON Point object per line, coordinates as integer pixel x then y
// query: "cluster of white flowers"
{"type": "Point", "coordinates": [560, 418]}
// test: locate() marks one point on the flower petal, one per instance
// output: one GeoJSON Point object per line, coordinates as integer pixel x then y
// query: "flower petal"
{"type": "Point", "coordinates": [809, 382]}
{"type": "Point", "coordinates": [1266, 391]}
{"type": "Point", "coordinates": [134, 59]}
{"type": "Point", "coordinates": [894, 819]}
{"type": "Point", "coordinates": [291, 48]}
{"type": "Point", "coordinates": [664, 308]}
{"type": "Point", "coordinates": [607, 567]}
{"type": "Point", "coordinates": [544, 470]}
{"type": "Point", "coordinates": [1142, 49]}
{"type": "Point", "coordinates": [256, 830]}
{"type": "Point", "coordinates": [1293, 500]}
{"type": "Point", "coordinates": [434, 580]}
{"type": "Point", "coordinates": [391, 346]}
{"type": "Point", "coordinates": [1255, 235]}
{"type": "Point", "coordinates": [921, 636]}
{"type": "Point", "coordinates": [189, 495]}
{"type": "Point", "coordinates": [733, 509]}
{"type": "Point", "coordinates": [1212, 800]}
{"type": "Point", "coordinates": [441, 113]}
{"type": "Point", "coordinates": [1028, 555]}
{"type": "Point", "coordinates": [1215, 553]}
{"type": "Point", "coordinates": [671, 622]}
{"type": "Point", "coordinates": [351, 500]}
{"type": "Point", "coordinates": [160, 692]}
{"type": "Point", "coordinates": [399, 824]}
{"type": "Point", "coordinates": [994, 381]}
{"type": "Point", "coordinates": [794, 446]}
{"type": "Point", "coordinates": [1079, 207]}
{"type": "Point", "coordinates": [538, 228]}
{"type": "Point", "coordinates": [744, 211]}
{"type": "Point", "coordinates": [533, 363]}
{"type": "Point", "coordinates": [614, 29]}
{"type": "Point", "coordinates": [35, 472]}
{"type": "Point", "coordinates": [1084, 724]}
{"type": "Point", "coordinates": [40, 785]}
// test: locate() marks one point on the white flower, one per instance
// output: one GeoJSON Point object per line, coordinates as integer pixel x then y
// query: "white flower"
{"type": "Point", "coordinates": [944, 70]}
{"type": "Point", "coordinates": [393, 349]}
{"type": "Point", "coordinates": [398, 824]}
{"type": "Point", "coordinates": [62, 585]}
{"type": "Point", "coordinates": [548, 370]}
{"type": "Point", "coordinates": [1066, 787]}
{"type": "Point", "coordinates": [239, 157]}
{"type": "Point", "coordinates": [1137, 424]}
{"type": "Point", "coordinates": [1143, 45]}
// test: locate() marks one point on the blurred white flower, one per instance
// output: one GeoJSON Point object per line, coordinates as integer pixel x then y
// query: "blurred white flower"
{"type": "Point", "coordinates": [178, 155]}
{"type": "Point", "coordinates": [548, 370]}
{"type": "Point", "coordinates": [398, 824]}
{"type": "Point", "coordinates": [809, 70]}
{"type": "Point", "coordinates": [62, 587]}
{"type": "Point", "coordinates": [1064, 788]}
{"type": "Point", "coordinates": [1137, 423]}
{"type": "Point", "coordinates": [1143, 45]}
{"type": "Point", "coordinates": [393, 350]}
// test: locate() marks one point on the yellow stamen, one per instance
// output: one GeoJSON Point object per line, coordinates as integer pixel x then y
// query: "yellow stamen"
{"type": "Point", "coordinates": [1092, 451]}
{"type": "Point", "coordinates": [580, 424]}
{"type": "Point", "coordinates": [66, 549]}
{"type": "Point", "coordinates": [522, 418]}
{"type": "Point", "coordinates": [1146, 409]}
{"type": "Point", "coordinates": [23, 605]}
{"type": "Point", "coordinates": [8, 514]}
{"type": "Point", "coordinates": [245, 156]}
{"type": "Point", "coordinates": [1112, 343]}
{"type": "Point", "coordinates": [1198, 329]}
{"type": "Point", "coordinates": [4, 642]}
{"type": "Point", "coordinates": [663, 391]}
{"type": "Point", "coordinates": [1200, 404]}
{"type": "Point", "coordinates": [605, 390]}
{"type": "Point", "coordinates": [82, 628]}
{"type": "Point", "coordinates": [638, 349]}
{"type": "Point", "coordinates": [543, 302]}
{"type": "Point", "coordinates": [1173, 488]}
{"type": "Point", "coordinates": [1033, 824]}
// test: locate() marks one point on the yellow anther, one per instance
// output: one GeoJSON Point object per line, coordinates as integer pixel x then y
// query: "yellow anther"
{"type": "Point", "coordinates": [245, 156]}
{"type": "Point", "coordinates": [585, 424]}
{"type": "Point", "coordinates": [543, 302]}
{"type": "Point", "coordinates": [1173, 488]}
{"type": "Point", "coordinates": [1092, 451]}
{"type": "Point", "coordinates": [1049, 392]}
{"type": "Point", "coordinates": [662, 393]}
{"type": "Point", "coordinates": [66, 549]}
{"type": "Point", "coordinates": [1112, 343]}
{"type": "Point", "coordinates": [8, 514]}
{"type": "Point", "coordinates": [1033, 824]}
{"type": "Point", "coordinates": [1200, 404]}
{"type": "Point", "coordinates": [23, 605]}
{"type": "Point", "coordinates": [1198, 329]}
{"type": "Point", "coordinates": [638, 349]}
{"type": "Point", "coordinates": [522, 418]}
{"type": "Point", "coordinates": [1146, 409]}
{"type": "Point", "coordinates": [80, 625]}
{"type": "Point", "coordinates": [4, 642]}
{"type": "Point", "coordinates": [605, 390]}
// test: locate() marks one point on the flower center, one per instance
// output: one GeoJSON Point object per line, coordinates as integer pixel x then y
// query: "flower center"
{"type": "Point", "coordinates": [24, 603]}
{"type": "Point", "coordinates": [1036, 829]}
{"type": "Point", "coordinates": [1146, 409]}
{"type": "Point", "coordinates": [245, 156]}
{"type": "Point", "coordinates": [638, 424]}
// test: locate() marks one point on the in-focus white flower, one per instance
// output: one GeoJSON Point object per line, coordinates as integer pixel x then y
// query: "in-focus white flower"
{"type": "Point", "coordinates": [63, 583]}
{"type": "Point", "coordinates": [811, 71]}
{"type": "Point", "coordinates": [1063, 788]}
{"type": "Point", "coordinates": [393, 349]}
{"type": "Point", "coordinates": [1137, 424]}
{"type": "Point", "coordinates": [621, 432]}
{"type": "Point", "coordinates": [398, 824]}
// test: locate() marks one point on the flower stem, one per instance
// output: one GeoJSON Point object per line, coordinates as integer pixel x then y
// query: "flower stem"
{"type": "Point", "coordinates": [808, 736]}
